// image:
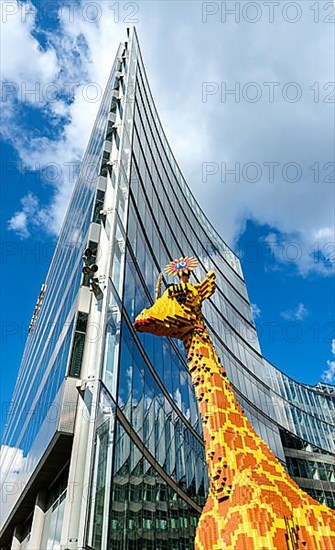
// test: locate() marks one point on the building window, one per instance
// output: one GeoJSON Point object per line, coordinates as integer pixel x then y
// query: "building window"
{"type": "Point", "coordinates": [78, 345]}
{"type": "Point", "coordinates": [98, 206]}
{"type": "Point", "coordinates": [110, 131]}
{"type": "Point", "coordinates": [105, 159]}
{"type": "Point", "coordinates": [113, 105]}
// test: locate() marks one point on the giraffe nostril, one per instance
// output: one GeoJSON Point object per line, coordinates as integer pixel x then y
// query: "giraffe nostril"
{"type": "Point", "coordinates": [222, 498]}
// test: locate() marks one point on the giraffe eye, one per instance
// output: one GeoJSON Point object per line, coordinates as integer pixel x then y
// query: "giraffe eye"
{"type": "Point", "coordinates": [181, 298]}
{"type": "Point", "coordinates": [181, 265]}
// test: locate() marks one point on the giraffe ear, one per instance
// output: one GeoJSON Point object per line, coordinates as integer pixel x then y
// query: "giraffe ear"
{"type": "Point", "coordinates": [207, 286]}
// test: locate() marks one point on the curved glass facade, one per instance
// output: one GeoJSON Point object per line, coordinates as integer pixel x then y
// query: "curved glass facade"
{"type": "Point", "coordinates": [145, 456]}
{"type": "Point", "coordinates": [153, 391]}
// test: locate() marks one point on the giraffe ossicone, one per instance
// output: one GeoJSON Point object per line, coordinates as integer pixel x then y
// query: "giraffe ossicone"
{"type": "Point", "coordinates": [253, 504]}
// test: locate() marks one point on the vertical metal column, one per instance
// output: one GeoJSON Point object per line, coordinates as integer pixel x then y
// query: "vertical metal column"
{"type": "Point", "coordinates": [38, 521]}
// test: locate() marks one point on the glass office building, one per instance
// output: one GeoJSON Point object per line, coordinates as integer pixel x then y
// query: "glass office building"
{"type": "Point", "coordinates": [103, 446]}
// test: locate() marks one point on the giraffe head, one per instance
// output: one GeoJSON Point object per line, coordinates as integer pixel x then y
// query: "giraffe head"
{"type": "Point", "coordinates": [178, 311]}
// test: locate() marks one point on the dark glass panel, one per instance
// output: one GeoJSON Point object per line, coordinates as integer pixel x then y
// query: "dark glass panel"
{"type": "Point", "coordinates": [145, 511]}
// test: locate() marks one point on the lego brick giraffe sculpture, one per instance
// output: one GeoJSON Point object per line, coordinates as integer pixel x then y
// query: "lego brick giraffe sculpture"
{"type": "Point", "coordinates": [253, 504]}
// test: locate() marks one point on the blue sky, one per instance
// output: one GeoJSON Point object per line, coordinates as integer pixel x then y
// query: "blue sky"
{"type": "Point", "coordinates": [260, 160]}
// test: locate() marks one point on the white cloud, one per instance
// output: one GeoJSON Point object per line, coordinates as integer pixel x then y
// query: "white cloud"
{"type": "Point", "coordinates": [297, 314]}
{"type": "Point", "coordinates": [19, 224]}
{"type": "Point", "coordinates": [23, 62]}
{"type": "Point", "coordinates": [255, 310]}
{"type": "Point", "coordinates": [240, 132]}
{"type": "Point", "coordinates": [296, 249]}
{"type": "Point", "coordinates": [31, 215]}
{"type": "Point", "coordinates": [328, 375]}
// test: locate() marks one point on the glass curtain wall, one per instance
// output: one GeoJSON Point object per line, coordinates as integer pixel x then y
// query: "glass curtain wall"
{"type": "Point", "coordinates": [150, 479]}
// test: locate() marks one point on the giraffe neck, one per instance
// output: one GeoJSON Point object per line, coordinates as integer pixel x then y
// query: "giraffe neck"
{"type": "Point", "coordinates": [213, 389]}
{"type": "Point", "coordinates": [252, 500]}
{"type": "Point", "coordinates": [223, 419]}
